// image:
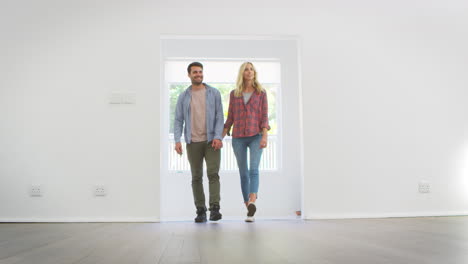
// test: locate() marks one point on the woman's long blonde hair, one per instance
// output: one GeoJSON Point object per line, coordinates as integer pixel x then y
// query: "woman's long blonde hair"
{"type": "Point", "coordinates": [240, 80]}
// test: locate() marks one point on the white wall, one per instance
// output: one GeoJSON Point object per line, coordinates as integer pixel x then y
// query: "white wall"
{"type": "Point", "coordinates": [384, 103]}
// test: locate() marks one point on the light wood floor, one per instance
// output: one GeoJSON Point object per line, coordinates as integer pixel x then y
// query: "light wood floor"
{"type": "Point", "coordinates": [440, 240]}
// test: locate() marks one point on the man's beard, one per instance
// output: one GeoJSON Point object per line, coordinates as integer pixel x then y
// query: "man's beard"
{"type": "Point", "coordinates": [195, 82]}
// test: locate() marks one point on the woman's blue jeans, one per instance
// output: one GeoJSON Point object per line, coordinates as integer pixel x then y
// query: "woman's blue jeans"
{"type": "Point", "coordinates": [248, 171]}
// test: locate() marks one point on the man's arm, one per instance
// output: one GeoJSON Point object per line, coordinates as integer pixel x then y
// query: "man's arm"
{"type": "Point", "coordinates": [178, 124]}
{"type": "Point", "coordinates": [219, 122]}
{"type": "Point", "coordinates": [219, 117]}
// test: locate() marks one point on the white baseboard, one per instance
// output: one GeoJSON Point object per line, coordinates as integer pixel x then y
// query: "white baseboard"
{"type": "Point", "coordinates": [227, 218]}
{"type": "Point", "coordinates": [80, 220]}
{"type": "Point", "coordinates": [383, 215]}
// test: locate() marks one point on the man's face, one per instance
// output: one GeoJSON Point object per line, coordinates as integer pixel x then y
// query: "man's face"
{"type": "Point", "coordinates": [196, 75]}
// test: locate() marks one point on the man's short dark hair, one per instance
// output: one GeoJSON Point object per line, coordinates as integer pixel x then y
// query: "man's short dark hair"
{"type": "Point", "coordinates": [196, 64]}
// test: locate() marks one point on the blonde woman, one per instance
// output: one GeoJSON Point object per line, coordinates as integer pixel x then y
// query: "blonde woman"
{"type": "Point", "coordinates": [248, 113]}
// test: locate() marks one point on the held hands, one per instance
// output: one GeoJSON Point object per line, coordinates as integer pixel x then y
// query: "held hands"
{"type": "Point", "coordinates": [178, 148]}
{"type": "Point", "coordinates": [217, 144]}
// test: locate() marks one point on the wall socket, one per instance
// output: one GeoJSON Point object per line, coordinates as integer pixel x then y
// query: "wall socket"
{"type": "Point", "coordinates": [35, 190]}
{"type": "Point", "coordinates": [100, 190]}
{"type": "Point", "coordinates": [424, 187]}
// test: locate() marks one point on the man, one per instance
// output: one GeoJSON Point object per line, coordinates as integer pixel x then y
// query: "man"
{"type": "Point", "coordinates": [199, 108]}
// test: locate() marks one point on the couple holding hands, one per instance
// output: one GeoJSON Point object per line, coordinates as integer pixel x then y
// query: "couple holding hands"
{"type": "Point", "coordinates": [199, 116]}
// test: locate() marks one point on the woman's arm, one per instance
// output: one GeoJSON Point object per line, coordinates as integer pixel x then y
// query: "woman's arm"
{"type": "Point", "coordinates": [264, 122]}
{"type": "Point", "coordinates": [225, 132]}
{"type": "Point", "coordinates": [230, 117]}
{"type": "Point", "coordinates": [264, 125]}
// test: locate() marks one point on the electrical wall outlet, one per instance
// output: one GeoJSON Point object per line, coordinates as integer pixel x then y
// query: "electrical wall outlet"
{"type": "Point", "coordinates": [35, 190]}
{"type": "Point", "coordinates": [100, 190]}
{"type": "Point", "coordinates": [424, 187]}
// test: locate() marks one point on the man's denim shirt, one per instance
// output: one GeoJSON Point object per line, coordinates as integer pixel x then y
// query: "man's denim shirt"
{"type": "Point", "coordinates": [214, 115]}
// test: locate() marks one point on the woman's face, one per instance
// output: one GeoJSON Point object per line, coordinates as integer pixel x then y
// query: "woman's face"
{"type": "Point", "coordinates": [249, 73]}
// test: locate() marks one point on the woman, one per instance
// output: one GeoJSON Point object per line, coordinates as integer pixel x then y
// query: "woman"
{"type": "Point", "coordinates": [248, 112]}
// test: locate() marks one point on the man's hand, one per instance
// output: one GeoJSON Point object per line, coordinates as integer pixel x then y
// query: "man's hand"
{"type": "Point", "coordinates": [178, 148]}
{"type": "Point", "coordinates": [217, 144]}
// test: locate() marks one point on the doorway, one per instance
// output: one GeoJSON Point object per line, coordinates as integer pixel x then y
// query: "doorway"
{"type": "Point", "coordinates": [280, 192]}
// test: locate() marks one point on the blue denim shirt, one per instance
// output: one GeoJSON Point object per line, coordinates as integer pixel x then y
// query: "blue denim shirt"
{"type": "Point", "coordinates": [214, 115]}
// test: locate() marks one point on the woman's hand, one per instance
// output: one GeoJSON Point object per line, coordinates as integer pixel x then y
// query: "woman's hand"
{"type": "Point", "coordinates": [264, 141]}
{"type": "Point", "coordinates": [224, 132]}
